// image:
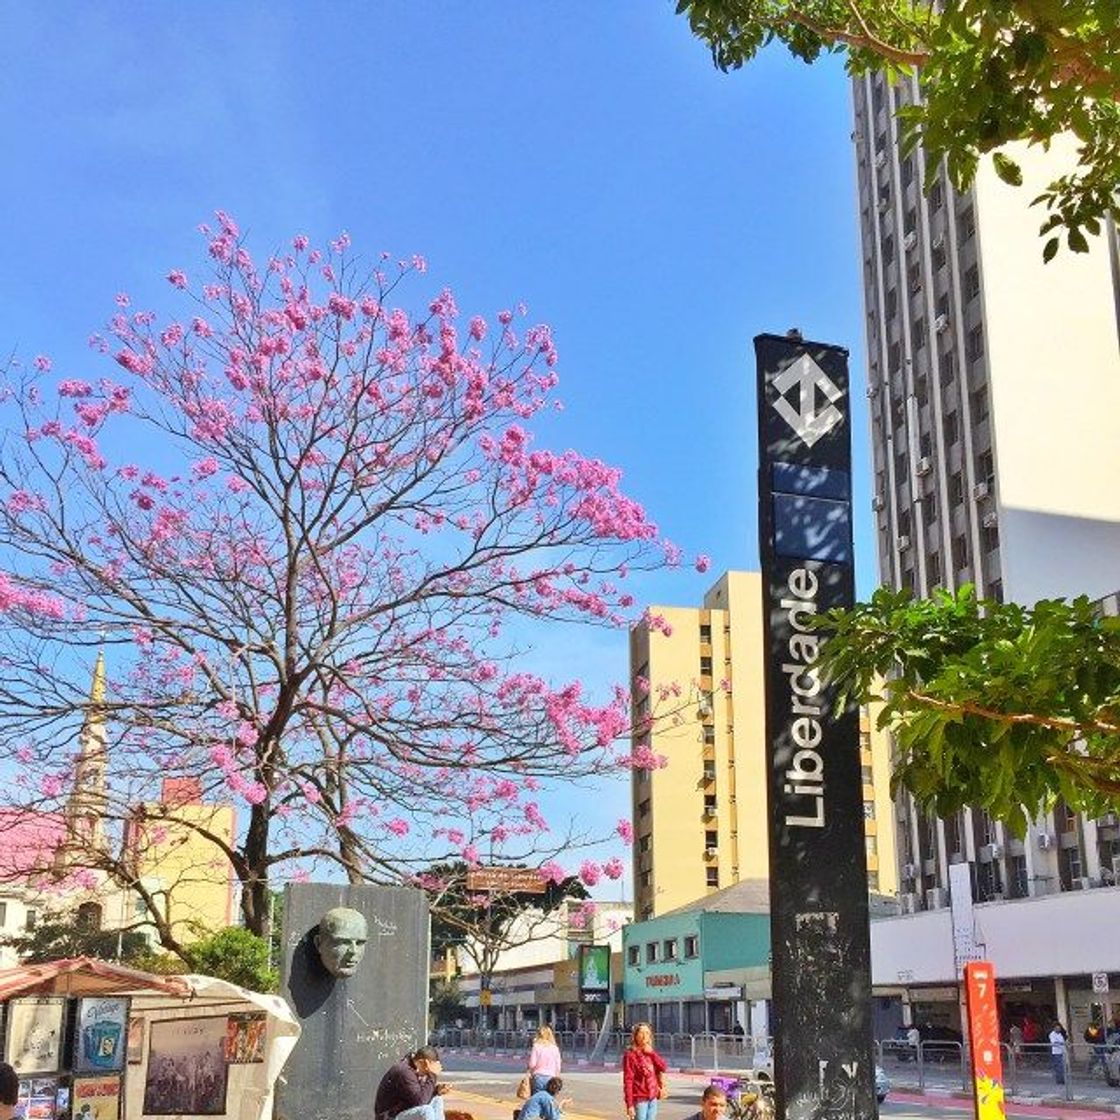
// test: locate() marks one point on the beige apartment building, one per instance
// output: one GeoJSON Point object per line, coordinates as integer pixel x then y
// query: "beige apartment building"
{"type": "Point", "coordinates": [700, 822]}
{"type": "Point", "coordinates": [994, 387]}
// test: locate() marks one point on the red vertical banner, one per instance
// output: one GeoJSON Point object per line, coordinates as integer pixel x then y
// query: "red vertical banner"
{"type": "Point", "coordinates": [983, 1040]}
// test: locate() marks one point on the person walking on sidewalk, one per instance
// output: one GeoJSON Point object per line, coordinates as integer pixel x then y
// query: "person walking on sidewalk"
{"type": "Point", "coordinates": [1058, 1052]}
{"type": "Point", "coordinates": [1094, 1036]}
{"type": "Point", "coordinates": [544, 1059]}
{"type": "Point", "coordinates": [643, 1075]}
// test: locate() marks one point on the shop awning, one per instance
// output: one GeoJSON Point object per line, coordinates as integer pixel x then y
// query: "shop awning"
{"type": "Point", "coordinates": [84, 976]}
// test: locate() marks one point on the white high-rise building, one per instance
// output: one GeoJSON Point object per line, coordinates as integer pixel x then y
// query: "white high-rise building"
{"type": "Point", "coordinates": [994, 386]}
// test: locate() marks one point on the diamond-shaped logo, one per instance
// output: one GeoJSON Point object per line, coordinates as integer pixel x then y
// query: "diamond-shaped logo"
{"type": "Point", "coordinates": [809, 423]}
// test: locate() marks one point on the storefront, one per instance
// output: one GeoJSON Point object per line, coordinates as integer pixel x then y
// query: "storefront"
{"type": "Point", "coordinates": [698, 971]}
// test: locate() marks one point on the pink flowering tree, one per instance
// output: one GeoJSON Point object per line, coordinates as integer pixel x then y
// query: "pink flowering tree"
{"type": "Point", "coordinates": [315, 533]}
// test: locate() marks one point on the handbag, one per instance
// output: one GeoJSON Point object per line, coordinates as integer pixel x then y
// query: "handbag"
{"type": "Point", "coordinates": [523, 1085]}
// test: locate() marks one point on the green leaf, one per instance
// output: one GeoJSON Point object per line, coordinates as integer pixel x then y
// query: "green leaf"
{"type": "Point", "coordinates": [1007, 169]}
{"type": "Point", "coordinates": [1050, 249]}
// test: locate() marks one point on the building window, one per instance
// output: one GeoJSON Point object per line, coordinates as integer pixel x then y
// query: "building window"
{"type": "Point", "coordinates": [691, 947]}
{"type": "Point", "coordinates": [995, 590]}
{"type": "Point", "coordinates": [713, 876]}
{"type": "Point", "coordinates": [633, 955]}
{"type": "Point", "coordinates": [921, 389]}
{"type": "Point", "coordinates": [948, 365]}
{"type": "Point", "coordinates": [925, 445]}
{"type": "Point", "coordinates": [88, 917]}
{"type": "Point", "coordinates": [976, 343]}
{"type": "Point", "coordinates": [979, 401]}
{"type": "Point", "coordinates": [989, 537]}
{"type": "Point", "coordinates": [892, 311]}
{"type": "Point", "coordinates": [908, 177]}
{"type": "Point", "coordinates": [872, 846]}
{"type": "Point", "coordinates": [709, 734]}
{"type": "Point", "coordinates": [953, 843]}
{"type": "Point", "coordinates": [705, 632]}
{"type": "Point", "coordinates": [986, 467]}
{"type": "Point", "coordinates": [709, 771]}
{"type": "Point", "coordinates": [643, 808]}
{"type": "Point", "coordinates": [30, 918]}
{"type": "Point", "coordinates": [967, 224]}
{"type": "Point", "coordinates": [644, 842]}
{"type": "Point", "coordinates": [869, 810]}
{"type": "Point", "coordinates": [669, 949]}
{"type": "Point", "coordinates": [705, 666]}
{"type": "Point", "coordinates": [914, 277]}
{"type": "Point", "coordinates": [936, 196]}
{"type": "Point", "coordinates": [711, 838]}
{"type": "Point", "coordinates": [1018, 881]}
{"type": "Point", "coordinates": [651, 952]}
{"type": "Point", "coordinates": [938, 257]}
{"type": "Point", "coordinates": [919, 334]}
{"type": "Point", "coordinates": [647, 879]}
{"type": "Point", "coordinates": [873, 880]}
{"type": "Point", "coordinates": [972, 282]}
{"type": "Point", "coordinates": [888, 245]}
{"type": "Point", "coordinates": [3, 914]}
{"type": "Point", "coordinates": [1069, 867]}
{"type": "Point", "coordinates": [951, 429]}
{"type": "Point", "coordinates": [960, 552]}
{"type": "Point", "coordinates": [709, 804]}
{"type": "Point", "coordinates": [933, 569]}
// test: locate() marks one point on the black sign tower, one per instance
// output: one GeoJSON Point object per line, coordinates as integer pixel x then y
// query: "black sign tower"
{"type": "Point", "coordinates": [820, 947]}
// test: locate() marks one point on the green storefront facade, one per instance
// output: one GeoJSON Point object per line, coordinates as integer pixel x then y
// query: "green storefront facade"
{"type": "Point", "coordinates": [695, 971]}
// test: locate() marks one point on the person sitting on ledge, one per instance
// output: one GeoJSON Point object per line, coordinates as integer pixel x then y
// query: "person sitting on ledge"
{"type": "Point", "coordinates": [409, 1090]}
{"type": "Point", "coordinates": [545, 1103]}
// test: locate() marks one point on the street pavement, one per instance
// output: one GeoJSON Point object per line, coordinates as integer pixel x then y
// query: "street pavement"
{"type": "Point", "coordinates": [486, 1088]}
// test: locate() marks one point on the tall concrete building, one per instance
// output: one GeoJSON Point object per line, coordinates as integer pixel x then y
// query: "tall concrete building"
{"type": "Point", "coordinates": [994, 386]}
{"type": "Point", "coordinates": [700, 822]}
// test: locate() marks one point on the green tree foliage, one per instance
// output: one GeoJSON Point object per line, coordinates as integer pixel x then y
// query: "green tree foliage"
{"type": "Point", "coordinates": [996, 705]}
{"type": "Point", "coordinates": [993, 72]}
{"type": "Point", "coordinates": [446, 1004]}
{"type": "Point", "coordinates": [236, 955]}
{"type": "Point", "coordinates": [63, 937]}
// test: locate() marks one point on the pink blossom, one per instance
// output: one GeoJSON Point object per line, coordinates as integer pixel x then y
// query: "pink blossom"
{"type": "Point", "coordinates": [177, 279]}
{"type": "Point", "coordinates": [613, 868]}
{"type": "Point", "coordinates": [204, 468]}
{"type": "Point", "coordinates": [300, 242]}
{"type": "Point", "coordinates": [73, 388]}
{"type": "Point", "coordinates": [397, 826]}
{"type": "Point", "coordinates": [552, 872]}
{"type": "Point", "coordinates": [590, 872]}
{"type": "Point", "coordinates": [626, 830]}
{"type": "Point", "coordinates": [43, 363]}
{"type": "Point", "coordinates": [703, 563]}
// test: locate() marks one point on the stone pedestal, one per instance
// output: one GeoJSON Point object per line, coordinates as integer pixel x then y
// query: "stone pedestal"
{"type": "Point", "coordinates": [354, 1027]}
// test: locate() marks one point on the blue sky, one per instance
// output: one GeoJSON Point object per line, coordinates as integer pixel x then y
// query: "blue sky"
{"type": "Point", "coordinates": [585, 158]}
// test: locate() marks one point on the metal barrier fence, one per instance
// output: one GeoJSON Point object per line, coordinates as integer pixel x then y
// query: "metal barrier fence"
{"type": "Point", "coordinates": [1029, 1069]}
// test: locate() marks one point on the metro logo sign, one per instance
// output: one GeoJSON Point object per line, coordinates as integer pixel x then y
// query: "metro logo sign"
{"type": "Point", "coordinates": [809, 423]}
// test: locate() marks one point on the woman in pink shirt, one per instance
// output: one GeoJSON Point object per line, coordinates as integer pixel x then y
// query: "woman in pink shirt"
{"type": "Point", "coordinates": [544, 1059]}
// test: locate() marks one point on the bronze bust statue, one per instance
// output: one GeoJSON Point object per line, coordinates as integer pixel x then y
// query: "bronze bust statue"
{"type": "Point", "coordinates": [340, 940]}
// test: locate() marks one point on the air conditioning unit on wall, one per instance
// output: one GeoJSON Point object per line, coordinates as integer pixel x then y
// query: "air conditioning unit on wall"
{"type": "Point", "coordinates": [1045, 841]}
